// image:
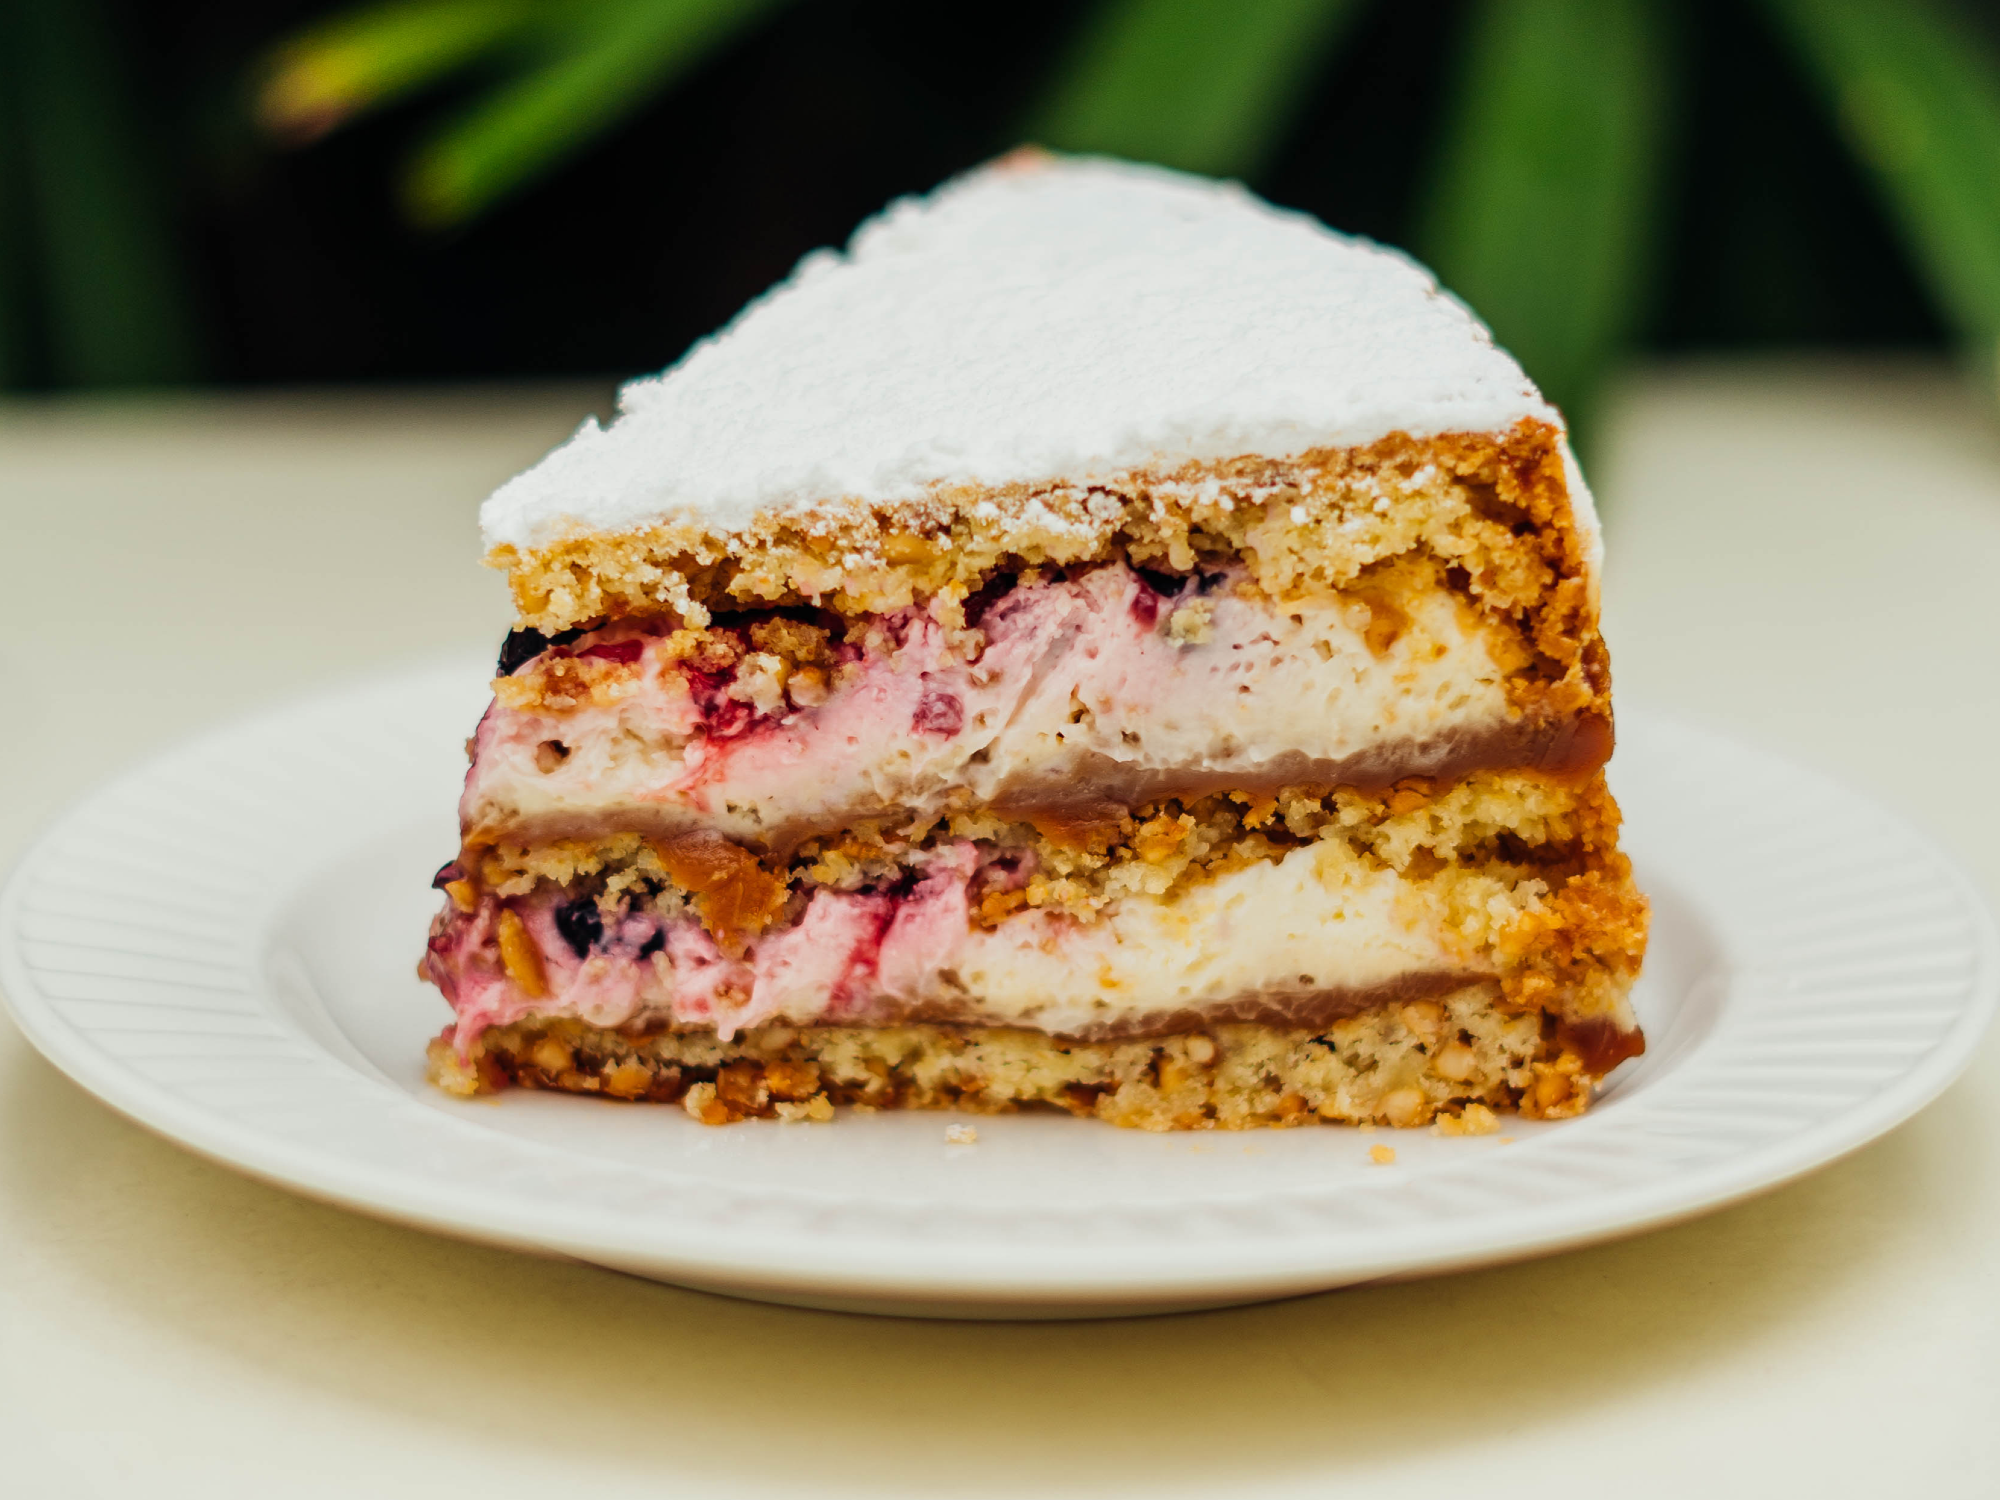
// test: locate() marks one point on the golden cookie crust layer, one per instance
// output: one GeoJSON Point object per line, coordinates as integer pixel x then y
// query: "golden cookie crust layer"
{"type": "Point", "coordinates": [1451, 1061]}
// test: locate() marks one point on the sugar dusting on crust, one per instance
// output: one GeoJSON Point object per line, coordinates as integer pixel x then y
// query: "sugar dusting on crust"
{"type": "Point", "coordinates": [1044, 318]}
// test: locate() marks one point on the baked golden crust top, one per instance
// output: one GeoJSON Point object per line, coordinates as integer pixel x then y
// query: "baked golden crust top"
{"type": "Point", "coordinates": [1498, 507]}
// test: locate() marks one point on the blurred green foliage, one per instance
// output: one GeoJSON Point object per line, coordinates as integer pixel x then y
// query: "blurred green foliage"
{"type": "Point", "coordinates": [569, 69]}
{"type": "Point", "coordinates": [1540, 209]}
{"type": "Point", "coordinates": [1542, 206]}
{"type": "Point", "coordinates": [1200, 86]}
{"type": "Point", "coordinates": [82, 215]}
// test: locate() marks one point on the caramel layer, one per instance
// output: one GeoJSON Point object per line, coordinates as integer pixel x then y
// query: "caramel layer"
{"type": "Point", "coordinates": [1572, 749]}
{"type": "Point", "coordinates": [1600, 1042]}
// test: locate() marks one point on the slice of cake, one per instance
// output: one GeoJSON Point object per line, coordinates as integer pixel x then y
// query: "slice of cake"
{"type": "Point", "coordinates": [1100, 642]}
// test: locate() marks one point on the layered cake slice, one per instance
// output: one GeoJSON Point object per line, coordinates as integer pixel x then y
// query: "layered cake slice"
{"type": "Point", "coordinates": [1099, 641]}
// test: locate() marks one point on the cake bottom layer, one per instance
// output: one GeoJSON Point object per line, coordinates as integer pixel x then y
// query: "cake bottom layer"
{"type": "Point", "coordinates": [1452, 1060]}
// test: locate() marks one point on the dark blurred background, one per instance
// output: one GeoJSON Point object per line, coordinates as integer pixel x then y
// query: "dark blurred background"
{"type": "Point", "coordinates": [288, 261]}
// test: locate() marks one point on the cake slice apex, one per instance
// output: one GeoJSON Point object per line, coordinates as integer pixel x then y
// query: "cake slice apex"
{"type": "Point", "coordinates": [1099, 642]}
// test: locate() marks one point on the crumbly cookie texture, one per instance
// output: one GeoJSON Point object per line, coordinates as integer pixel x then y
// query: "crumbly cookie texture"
{"type": "Point", "coordinates": [1518, 864]}
{"type": "Point", "coordinates": [1450, 1061]}
{"type": "Point", "coordinates": [1415, 827]}
{"type": "Point", "coordinates": [1497, 508]}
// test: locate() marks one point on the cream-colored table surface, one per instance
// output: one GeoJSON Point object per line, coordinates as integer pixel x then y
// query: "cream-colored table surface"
{"type": "Point", "coordinates": [1809, 558]}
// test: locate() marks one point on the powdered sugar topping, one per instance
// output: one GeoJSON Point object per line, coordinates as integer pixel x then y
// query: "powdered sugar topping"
{"type": "Point", "coordinates": [1043, 318]}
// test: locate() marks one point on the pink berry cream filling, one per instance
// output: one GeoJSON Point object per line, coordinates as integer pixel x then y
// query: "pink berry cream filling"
{"type": "Point", "coordinates": [1064, 703]}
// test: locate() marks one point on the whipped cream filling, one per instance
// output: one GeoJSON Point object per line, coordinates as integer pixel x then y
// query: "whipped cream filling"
{"type": "Point", "coordinates": [1307, 933]}
{"type": "Point", "coordinates": [1091, 691]}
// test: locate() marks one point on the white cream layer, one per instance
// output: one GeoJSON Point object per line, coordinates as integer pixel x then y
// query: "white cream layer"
{"type": "Point", "coordinates": [1311, 921]}
{"type": "Point", "coordinates": [1289, 926]}
{"type": "Point", "coordinates": [1084, 673]}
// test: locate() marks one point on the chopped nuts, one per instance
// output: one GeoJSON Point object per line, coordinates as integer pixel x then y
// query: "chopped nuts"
{"type": "Point", "coordinates": [1257, 807]}
{"type": "Point", "coordinates": [808, 687]}
{"type": "Point", "coordinates": [552, 1056]}
{"type": "Point", "coordinates": [1160, 838]}
{"type": "Point", "coordinates": [760, 682]}
{"type": "Point", "coordinates": [996, 906]}
{"type": "Point", "coordinates": [1552, 1093]}
{"type": "Point", "coordinates": [629, 1080]}
{"type": "Point", "coordinates": [701, 1103]}
{"type": "Point", "coordinates": [741, 1087]}
{"type": "Point", "coordinates": [903, 547]}
{"type": "Point", "coordinates": [1382, 1156]}
{"type": "Point", "coordinates": [1474, 1119]}
{"type": "Point", "coordinates": [791, 1080]}
{"type": "Point", "coordinates": [523, 960]}
{"type": "Point", "coordinates": [1455, 1062]}
{"type": "Point", "coordinates": [1424, 1018]}
{"type": "Point", "coordinates": [1410, 795]}
{"type": "Point", "coordinates": [561, 683]}
{"type": "Point", "coordinates": [454, 1074]}
{"type": "Point", "coordinates": [1200, 1050]}
{"type": "Point", "coordinates": [793, 640]}
{"type": "Point", "coordinates": [816, 1110]}
{"type": "Point", "coordinates": [961, 1135]}
{"type": "Point", "coordinates": [1404, 1107]}
{"type": "Point", "coordinates": [1560, 1089]}
{"type": "Point", "coordinates": [737, 896]}
{"type": "Point", "coordinates": [1192, 624]}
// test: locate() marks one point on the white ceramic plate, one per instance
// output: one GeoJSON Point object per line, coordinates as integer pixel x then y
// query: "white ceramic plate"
{"type": "Point", "coordinates": [221, 945]}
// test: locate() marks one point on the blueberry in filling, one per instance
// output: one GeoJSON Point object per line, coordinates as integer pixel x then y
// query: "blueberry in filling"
{"type": "Point", "coordinates": [581, 925]}
{"type": "Point", "coordinates": [523, 646]}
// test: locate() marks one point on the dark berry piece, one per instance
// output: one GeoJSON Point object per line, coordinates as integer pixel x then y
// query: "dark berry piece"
{"type": "Point", "coordinates": [657, 943]}
{"type": "Point", "coordinates": [1166, 585]}
{"type": "Point", "coordinates": [986, 596]}
{"type": "Point", "coordinates": [523, 646]}
{"type": "Point", "coordinates": [581, 925]}
{"type": "Point", "coordinates": [938, 713]}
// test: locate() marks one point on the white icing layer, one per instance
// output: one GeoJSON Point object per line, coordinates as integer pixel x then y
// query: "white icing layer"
{"type": "Point", "coordinates": [1043, 318]}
